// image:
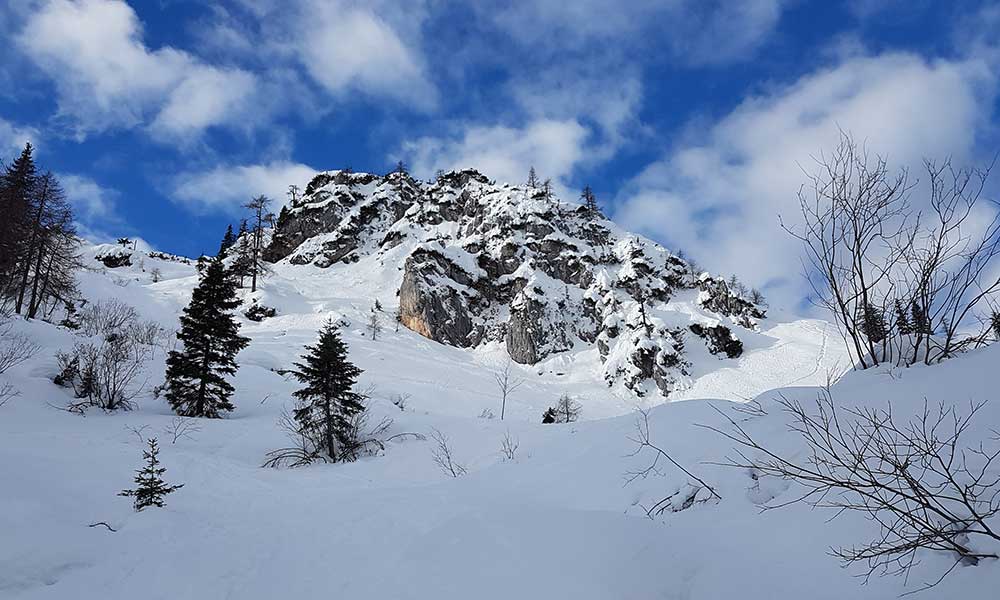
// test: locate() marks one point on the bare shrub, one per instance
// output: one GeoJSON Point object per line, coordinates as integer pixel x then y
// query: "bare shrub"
{"type": "Point", "coordinates": [443, 457]}
{"type": "Point", "coordinates": [645, 446]}
{"type": "Point", "coordinates": [917, 478]}
{"type": "Point", "coordinates": [106, 374]}
{"type": "Point", "coordinates": [181, 427]}
{"type": "Point", "coordinates": [15, 348]}
{"type": "Point", "coordinates": [106, 316]}
{"type": "Point", "coordinates": [509, 446]}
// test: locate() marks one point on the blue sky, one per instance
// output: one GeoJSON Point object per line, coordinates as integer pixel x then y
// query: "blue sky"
{"type": "Point", "coordinates": [689, 118]}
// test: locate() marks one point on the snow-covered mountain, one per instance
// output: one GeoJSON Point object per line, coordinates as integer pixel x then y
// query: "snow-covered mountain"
{"type": "Point", "coordinates": [479, 272]}
{"type": "Point", "coordinates": [480, 263]}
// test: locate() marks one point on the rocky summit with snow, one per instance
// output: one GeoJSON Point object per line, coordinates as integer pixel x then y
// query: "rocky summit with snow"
{"type": "Point", "coordinates": [483, 262]}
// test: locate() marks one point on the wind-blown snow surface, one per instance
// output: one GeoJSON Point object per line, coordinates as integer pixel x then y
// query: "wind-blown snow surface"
{"type": "Point", "coordinates": [556, 522]}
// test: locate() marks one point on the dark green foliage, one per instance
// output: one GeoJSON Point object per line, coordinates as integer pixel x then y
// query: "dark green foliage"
{"type": "Point", "coordinates": [549, 416]}
{"type": "Point", "coordinates": [328, 403]}
{"type": "Point", "coordinates": [903, 325]}
{"type": "Point", "coordinates": [919, 320]}
{"type": "Point", "coordinates": [196, 384]}
{"type": "Point", "coordinates": [873, 323]}
{"type": "Point", "coordinates": [150, 487]}
{"type": "Point", "coordinates": [38, 241]}
{"type": "Point", "coordinates": [995, 324]}
{"type": "Point", "coordinates": [227, 241]}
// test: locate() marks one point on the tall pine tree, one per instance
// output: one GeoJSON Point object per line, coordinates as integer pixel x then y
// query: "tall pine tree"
{"type": "Point", "coordinates": [196, 384]}
{"type": "Point", "coordinates": [328, 402]}
{"type": "Point", "coordinates": [17, 186]}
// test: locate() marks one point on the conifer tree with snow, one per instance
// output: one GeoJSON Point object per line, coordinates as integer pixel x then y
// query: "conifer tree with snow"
{"type": "Point", "coordinates": [328, 403]}
{"type": "Point", "coordinates": [150, 487]}
{"type": "Point", "coordinates": [375, 321]}
{"type": "Point", "coordinates": [227, 241]}
{"type": "Point", "coordinates": [196, 374]}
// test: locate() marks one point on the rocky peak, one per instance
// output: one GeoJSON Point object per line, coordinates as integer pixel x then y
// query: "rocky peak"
{"type": "Point", "coordinates": [488, 262]}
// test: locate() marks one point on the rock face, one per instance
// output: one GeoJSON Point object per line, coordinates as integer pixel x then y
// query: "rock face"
{"type": "Point", "coordinates": [509, 264]}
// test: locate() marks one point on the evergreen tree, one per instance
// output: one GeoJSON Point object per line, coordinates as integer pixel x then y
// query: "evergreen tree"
{"type": "Point", "coordinates": [196, 384]}
{"type": "Point", "coordinates": [328, 402]}
{"type": "Point", "coordinates": [243, 254]}
{"type": "Point", "coordinates": [873, 323]}
{"type": "Point", "coordinates": [375, 321]}
{"type": "Point", "coordinates": [150, 487]}
{"type": "Point", "coordinates": [919, 320]}
{"type": "Point", "coordinates": [228, 240]}
{"type": "Point", "coordinates": [903, 325]}
{"type": "Point", "coordinates": [533, 181]}
{"type": "Point", "coordinates": [17, 186]}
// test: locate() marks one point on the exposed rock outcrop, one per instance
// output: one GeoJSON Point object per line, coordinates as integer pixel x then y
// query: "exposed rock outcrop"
{"type": "Point", "coordinates": [509, 264]}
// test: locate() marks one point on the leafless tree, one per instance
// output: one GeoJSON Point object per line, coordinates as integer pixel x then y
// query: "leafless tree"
{"type": "Point", "coordinates": [508, 446]}
{"type": "Point", "coordinates": [949, 259]}
{"type": "Point", "coordinates": [852, 213]}
{"type": "Point", "coordinates": [923, 484]}
{"type": "Point", "coordinates": [260, 215]}
{"type": "Point", "coordinates": [156, 275]}
{"type": "Point", "coordinates": [567, 410]}
{"type": "Point", "coordinates": [15, 348]}
{"type": "Point", "coordinates": [507, 383]}
{"type": "Point", "coordinates": [904, 285]}
{"type": "Point", "coordinates": [443, 456]}
{"type": "Point", "coordinates": [181, 427]}
{"type": "Point", "coordinates": [645, 446]}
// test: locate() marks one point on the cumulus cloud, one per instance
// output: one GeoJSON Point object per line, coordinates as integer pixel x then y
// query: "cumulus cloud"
{"type": "Point", "coordinates": [718, 194]}
{"type": "Point", "coordinates": [107, 77]}
{"type": "Point", "coordinates": [226, 188]}
{"type": "Point", "coordinates": [91, 202]}
{"type": "Point", "coordinates": [503, 153]}
{"type": "Point", "coordinates": [345, 47]}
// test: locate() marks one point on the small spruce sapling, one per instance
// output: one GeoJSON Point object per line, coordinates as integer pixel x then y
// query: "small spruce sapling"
{"type": "Point", "coordinates": [150, 487]}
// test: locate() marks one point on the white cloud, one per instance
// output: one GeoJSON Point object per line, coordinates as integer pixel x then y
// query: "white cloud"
{"type": "Point", "coordinates": [107, 77]}
{"type": "Point", "coordinates": [91, 202]}
{"type": "Point", "coordinates": [718, 194]}
{"type": "Point", "coordinates": [226, 188]}
{"type": "Point", "coordinates": [554, 148]}
{"type": "Point", "coordinates": [14, 137]}
{"type": "Point", "coordinates": [346, 47]}
{"type": "Point", "coordinates": [694, 31]}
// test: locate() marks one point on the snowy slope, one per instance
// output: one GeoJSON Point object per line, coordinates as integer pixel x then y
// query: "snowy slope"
{"type": "Point", "coordinates": [556, 522]}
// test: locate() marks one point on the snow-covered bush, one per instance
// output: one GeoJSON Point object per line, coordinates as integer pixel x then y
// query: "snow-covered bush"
{"type": "Point", "coordinates": [106, 370]}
